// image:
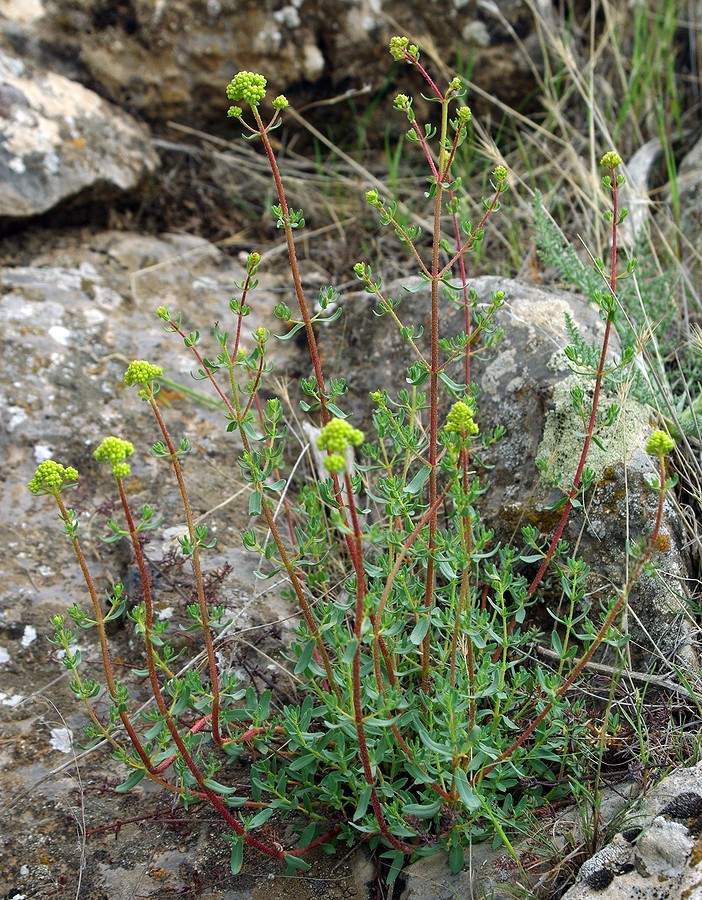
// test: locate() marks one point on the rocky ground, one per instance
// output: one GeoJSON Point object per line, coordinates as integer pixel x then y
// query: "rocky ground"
{"type": "Point", "coordinates": [103, 217]}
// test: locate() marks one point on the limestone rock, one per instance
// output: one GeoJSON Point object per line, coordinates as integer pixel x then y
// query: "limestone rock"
{"type": "Point", "coordinates": [659, 856]}
{"type": "Point", "coordinates": [70, 322]}
{"type": "Point", "coordinates": [172, 60]}
{"type": "Point", "coordinates": [525, 386]}
{"type": "Point", "coordinates": [62, 143]}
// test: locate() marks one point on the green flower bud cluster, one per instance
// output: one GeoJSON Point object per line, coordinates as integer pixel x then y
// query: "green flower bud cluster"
{"type": "Point", "coordinates": [141, 372]}
{"type": "Point", "coordinates": [51, 477]}
{"type": "Point", "coordinates": [464, 114]}
{"type": "Point", "coordinates": [460, 419]}
{"type": "Point", "coordinates": [235, 112]}
{"type": "Point", "coordinates": [162, 313]}
{"type": "Point", "coordinates": [400, 48]}
{"type": "Point", "coordinates": [373, 199]}
{"type": "Point", "coordinates": [402, 102]}
{"type": "Point", "coordinates": [280, 103]}
{"type": "Point", "coordinates": [335, 438]}
{"type": "Point", "coordinates": [500, 174]}
{"type": "Point", "coordinates": [114, 450]}
{"type": "Point", "coordinates": [659, 444]}
{"type": "Point", "coordinates": [247, 86]}
{"type": "Point", "coordinates": [611, 160]}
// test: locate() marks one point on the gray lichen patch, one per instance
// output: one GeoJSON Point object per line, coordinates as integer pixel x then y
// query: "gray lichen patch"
{"type": "Point", "coordinates": [564, 432]}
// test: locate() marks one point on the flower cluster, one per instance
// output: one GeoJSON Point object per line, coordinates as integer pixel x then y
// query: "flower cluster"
{"type": "Point", "coordinates": [400, 48]}
{"type": "Point", "coordinates": [114, 450]}
{"type": "Point", "coordinates": [51, 477]}
{"type": "Point", "coordinates": [141, 372]}
{"type": "Point", "coordinates": [464, 114]}
{"type": "Point", "coordinates": [335, 438]}
{"type": "Point", "coordinates": [659, 444]}
{"type": "Point", "coordinates": [499, 173]}
{"type": "Point", "coordinates": [460, 419]}
{"type": "Point", "coordinates": [611, 160]}
{"type": "Point", "coordinates": [247, 86]}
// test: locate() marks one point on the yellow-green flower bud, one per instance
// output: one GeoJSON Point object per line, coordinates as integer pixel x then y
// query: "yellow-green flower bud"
{"type": "Point", "coordinates": [235, 112]}
{"type": "Point", "coordinates": [373, 199]}
{"type": "Point", "coordinates": [464, 114]}
{"type": "Point", "coordinates": [261, 335]}
{"type": "Point", "coordinates": [335, 463]}
{"type": "Point", "coordinates": [141, 372]}
{"type": "Point", "coordinates": [114, 450]}
{"type": "Point", "coordinates": [460, 419]}
{"type": "Point", "coordinates": [337, 435]}
{"type": "Point", "coordinates": [398, 45]}
{"type": "Point", "coordinates": [280, 103]}
{"type": "Point", "coordinates": [611, 160]}
{"type": "Point", "coordinates": [253, 260]}
{"type": "Point", "coordinates": [248, 86]}
{"type": "Point", "coordinates": [162, 313]}
{"type": "Point", "coordinates": [402, 102]}
{"type": "Point", "coordinates": [500, 174]}
{"type": "Point", "coordinates": [454, 85]}
{"type": "Point", "coordinates": [51, 477]}
{"type": "Point", "coordinates": [659, 444]}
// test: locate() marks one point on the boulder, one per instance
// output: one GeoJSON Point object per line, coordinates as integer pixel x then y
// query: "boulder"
{"type": "Point", "coordinates": [173, 60]}
{"type": "Point", "coordinates": [525, 386]}
{"type": "Point", "coordinates": [71, 320]}
{"type": "Point", "coordinates": [63, 144]}
{"type": "Point", "coordinates": [659, 854]}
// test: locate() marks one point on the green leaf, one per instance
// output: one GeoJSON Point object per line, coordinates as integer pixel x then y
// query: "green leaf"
{"type": "Point", "coordinates": [442, 750]}
{"type": "Point", "coordinates": [305, 657]}
{"type": "Point", "coordinates": [261, 817]}
{"type": "Point", "coordinates": [295, 863]}
{"type": "Point", "coordinates": [422, 810]}
{"type": "Point", "coordinates": [415, 486]}
{"type": "Point", "coordinates": [350, 651]}
{"type": "Point", "coordinates": [465, 791]}
{"type": "Point", "coordinates": [419, 631]}
{"type": "Point", "coordinates": [456, 858]}
{"type": "Point", "coordinates": [556, 643]}
{"type": "Point", "coordinates": [255, 503]}
{"type": "Point", "coordinates": [397, 859]}
{"type": "Point", "coordinates": [236, 860]}
{"type": "Point", "coordinates": [291, 334]}
{"type": "Point", "coordinates": [218, 788]}
{"type": "Point", "coordinates": [363, 802]}
{"type": "Point", "coordinates": [131, 782]}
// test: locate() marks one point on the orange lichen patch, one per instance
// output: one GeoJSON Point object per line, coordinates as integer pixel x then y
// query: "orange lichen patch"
{"type": "Point", "coordinates": [663, 543]}
{"type": "Point", "coordinates": [78, 143]}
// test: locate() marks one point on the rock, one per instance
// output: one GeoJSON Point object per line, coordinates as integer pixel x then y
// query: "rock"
{"type": "Point", "coordinates": [526, 387]}
{"type": "Point", "coordinates": [488, 873]}
{"type": "Point", "coordinates": [690, 197]}
{"type": "Point", "coordinates": [71, 322]}
{"type": "Point", "coordinates": [63, 144]}
{"type": "Point", "coordinates": [173, 60]}
{"type": "Point", "coordinates": [659, 856]}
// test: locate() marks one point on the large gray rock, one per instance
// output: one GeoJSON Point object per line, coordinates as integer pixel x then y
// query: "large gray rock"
{"type": "Point", "coordinates": [659, 855]}
{"type": "Point", "coordinates": [525, 386]}
{"type": "Point", "coordinates": [70, 323]}
{"type": "Point", "coordinates": [62, 143]}
{"type": "Point", "coordinates": [172, 60]}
